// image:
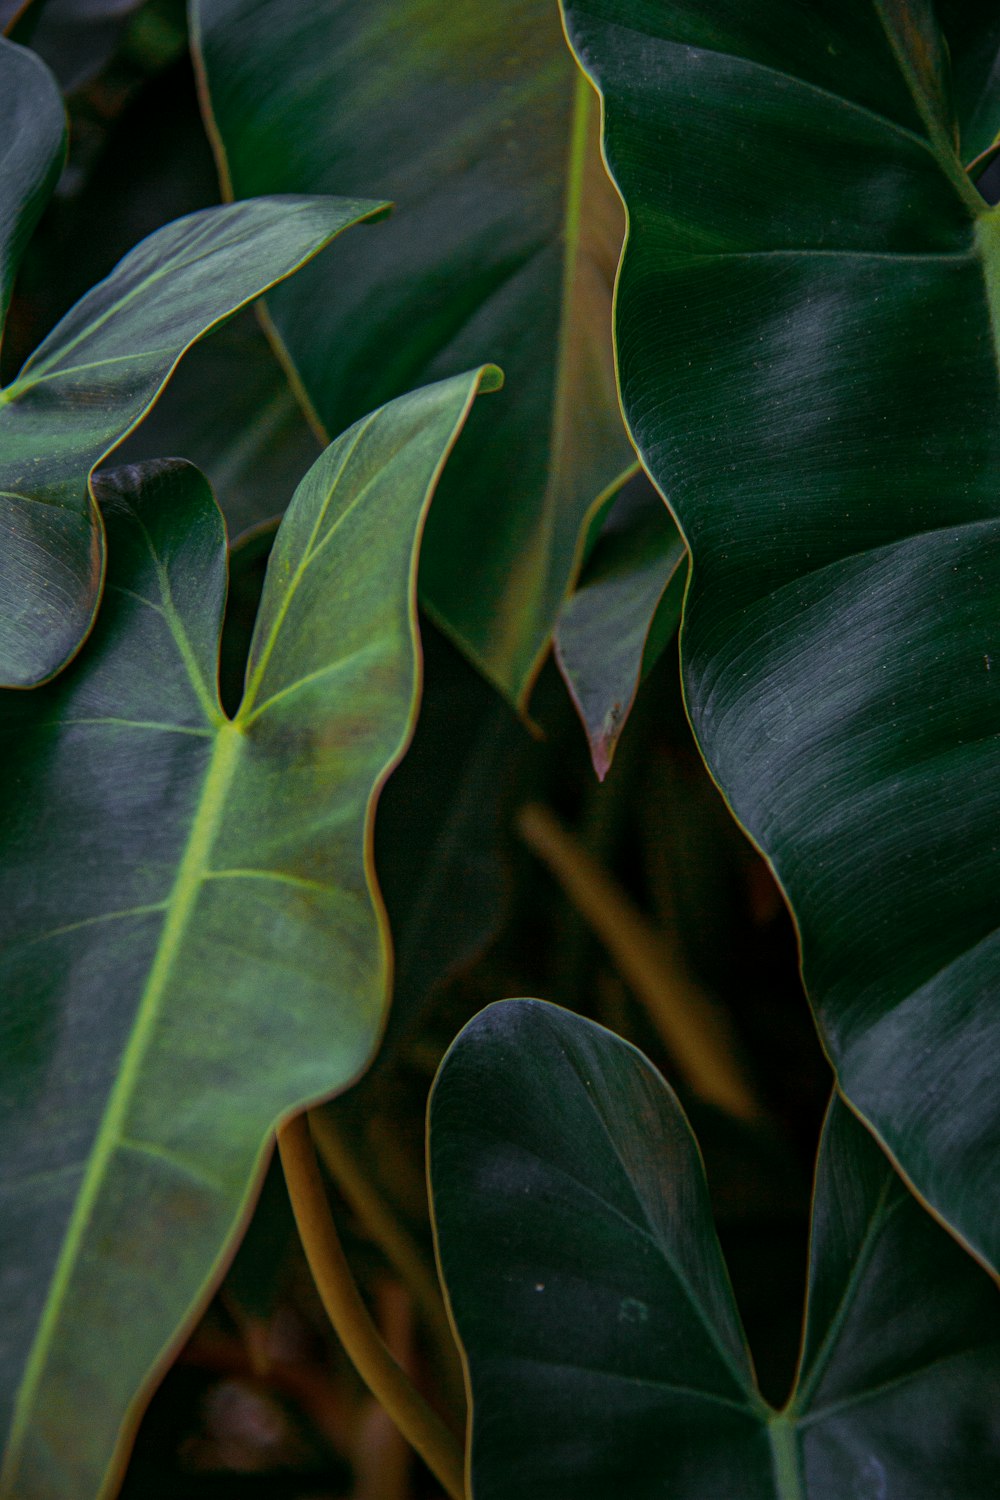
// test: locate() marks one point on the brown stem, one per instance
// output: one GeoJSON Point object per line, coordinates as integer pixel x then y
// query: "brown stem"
{"type": "Point", "coordinates": [422, 1427]}
{"type": "Point", "coordinates": [392, 1238]}
{"type": "Point", "coordinates": [696, 1034]}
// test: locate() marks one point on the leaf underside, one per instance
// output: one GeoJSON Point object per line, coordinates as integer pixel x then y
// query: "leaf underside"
{"type": "Point", "coordinates": [808, 320]}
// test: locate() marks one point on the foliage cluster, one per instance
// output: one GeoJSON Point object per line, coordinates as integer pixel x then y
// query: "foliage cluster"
{"type": "Point", "coordinates": [401, 692]}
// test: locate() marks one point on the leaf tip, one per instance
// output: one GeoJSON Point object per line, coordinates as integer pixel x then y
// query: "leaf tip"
{"type": "Point", "coordinates": [602, 749]}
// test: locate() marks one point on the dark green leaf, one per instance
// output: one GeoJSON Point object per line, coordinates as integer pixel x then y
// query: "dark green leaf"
{"type": "Point", "coordinates": [75, 39]}
{"type": "Point", "coordinates": [193, 943]}
{"type": "Point", "coordinates": [467, 115]}
{"type": "Point", "coordinates": [824, 417]}
{"type": "Point", "coordinates": [624, 610]}
{"type": "Point", "coordinates": [604, 1349]}
{"type": "Point", "coordinates": [230, 410]}
{"type": "Point", "coordinates": [32, 144]}
{"type": "Point", "coordinates": [102, 367]}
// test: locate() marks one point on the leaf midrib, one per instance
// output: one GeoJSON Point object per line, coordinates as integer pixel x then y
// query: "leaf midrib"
{"type": "Point", "coordinates": [535, 577]}
{"type": "Point", "coordinates": [810, 1380]}
{"type": "Point", "coordinates": [180, 905]}
{"type": "Point", "coordinates": [988, 247]}
{"type": "Point", "coordinates": [938, 140]}
{"type": "Point", "coordinates": [259, 666]}
{"type": "Point", "coordinates": [584, 100]}
{"type": "Point", "coordinates": [50, 365]}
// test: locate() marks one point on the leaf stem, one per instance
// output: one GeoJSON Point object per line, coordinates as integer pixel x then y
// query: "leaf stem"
{"type": "Point", "coordinates": [695, 1033]}
{"type": "Point", "coordinates": [785, 1457]}
{"type": "Point", "coordinates": [392, 1238]}
{"type": "Point", "coordinates": [422, 1427]}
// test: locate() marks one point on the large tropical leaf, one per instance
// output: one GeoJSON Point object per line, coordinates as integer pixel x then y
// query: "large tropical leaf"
{"type": "Point", "coordinates": [104, 364]}
{"type": "Point", "coordinates": [808, 334]}
{"type": "Point", "coordinates": [604, 1350]}
{"type": "Point", "coordinates": [193, 945]}
{"type": "Point", "coordinates": [503, 247]}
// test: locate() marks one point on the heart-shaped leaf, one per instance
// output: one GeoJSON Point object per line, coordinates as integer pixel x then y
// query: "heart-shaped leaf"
{"type": "Point", "coordinates": [104, 364]}
{"type": "Point", "coordinates": [604, 1350]}
{"type": "Point", "coordinates": [623, 611]}
{"type": "Point", "coordinates": [194, 944]}
{"type": "Point", "coordinates": [468, 115]}
{"type": "Point", "coordinates": [824, 418]}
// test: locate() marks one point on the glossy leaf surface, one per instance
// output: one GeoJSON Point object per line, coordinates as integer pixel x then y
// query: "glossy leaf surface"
{"type": "Point", "coordinates": [32, 143]}
{"type": "Point", "coordinates": [604, 1349]}
{"type": "Point", "coordinates": [624, 609]}
{"type": "Point", "coordinates": [103, 365]}
{"type": "Point", "coordinates": [503, 246]}
{"type": "Point", "coordinates": [808, 331]}
{"type": "Point", "coordinates": [193, 942]}
{"type": "Point", "coordinates": [230, 409]}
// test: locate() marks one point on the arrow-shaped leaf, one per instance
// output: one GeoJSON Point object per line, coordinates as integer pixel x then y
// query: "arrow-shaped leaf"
{"type": "Point", "coordinates": [468, 115]}
{"type": "Point", "coordinates": [824, 418]}
{"type": "Point", "coordinates": [193, 943]}
{"type": "Point", "coordinates": [604, 1350]}
{"type": "Point", "coordinates": [625, 608]}
{"type": "Point", "coordinates": [101, 368]}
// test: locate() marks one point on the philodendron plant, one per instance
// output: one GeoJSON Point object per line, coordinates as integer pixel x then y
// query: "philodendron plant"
{"type": "Point", "coordinates": [809, 355]}
{"type": "Point", "coordinates": [803, 351]}
{"type": "Point", "coordinates": [150, 1050]}
{"type": "Point", "coordinates": [604, 1350]}
{"type": "Point", "coordinates": [98, 372]}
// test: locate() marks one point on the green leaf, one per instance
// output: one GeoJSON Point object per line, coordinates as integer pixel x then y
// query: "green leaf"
{"type": "Point", "coordinates": [32, 146]}
{"type": "Point", "coordinates": [101, 368]}
{"type": "Point", "coordinates": [230, 410]}
{"type": "Point", "coordinates": [603, 1347]}
{"type": "Point", "coordinates": [76, 39]}
{"type": "Point", "coordinates": [622, 614]}
{"type": "Point", "coordinates": [823, 417]}
{"type": "Point", "coordinates": [468, 115]}
{"type": "Point", "coordinates": [195, 946]}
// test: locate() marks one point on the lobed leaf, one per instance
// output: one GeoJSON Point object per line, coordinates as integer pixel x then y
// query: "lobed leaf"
{"type": "Point", "coordinates": [101, 368]}
{"type": "Point", "coordinates": [469, 116]}
{"type": "Point", "coordinates": [808, 327]}
{"type": "Point", "coordinates": [604, 1350]}
{"type": "Point", "coordinates": [194, 943]}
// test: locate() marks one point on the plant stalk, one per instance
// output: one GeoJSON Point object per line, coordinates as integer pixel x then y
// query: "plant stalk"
{"type": "Point", "coordinates": [695, 1033]}
{"type": "Point", "coordinates": [388, 1383]}
{"type": "Point", "coordinates": [378, 1218]}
